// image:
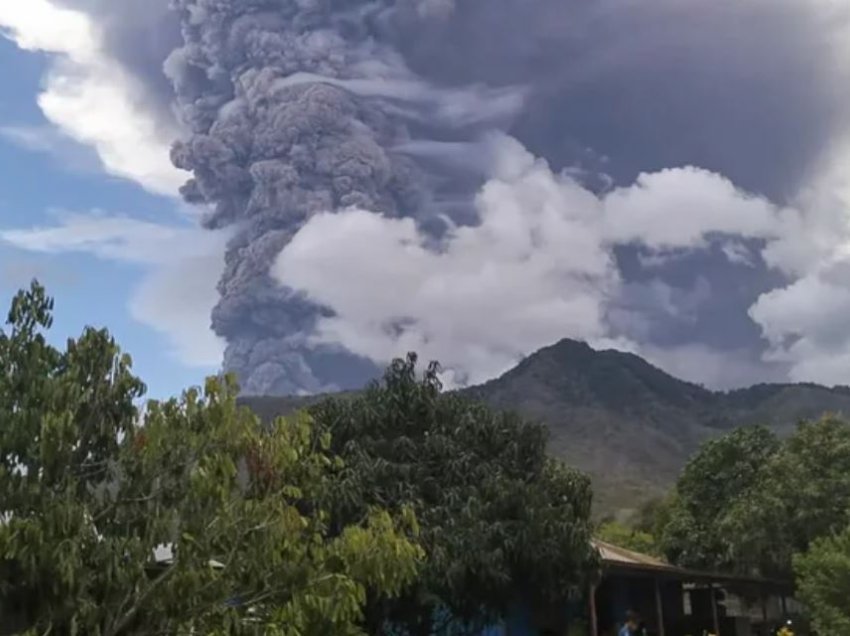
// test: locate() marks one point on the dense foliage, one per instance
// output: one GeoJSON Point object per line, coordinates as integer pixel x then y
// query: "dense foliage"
{"type": "Point", "coordinates": [633, 448]}
{"type": "Point", "coordinates": [653, 516]}
{"type": "Point", "coordinates": [91, 490]}
{"type": "Point", "coordinates": [500, 521]}
{"type": "Point", "coordinates": [748, 502]}
{"type": "Point", "coordinates": [642, 529]}
{"type": "Point", "coordinates": [715, 487]}
{"type": "Point", "coordinates": [627, 536]}
{"type": "Point", "coordinates": [823, 583]}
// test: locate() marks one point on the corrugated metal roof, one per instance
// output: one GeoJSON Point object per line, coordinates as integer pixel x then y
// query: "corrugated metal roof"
{"type": "Point", "coordinates": [616, 555]}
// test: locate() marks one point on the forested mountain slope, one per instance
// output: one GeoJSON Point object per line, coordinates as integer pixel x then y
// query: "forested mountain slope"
{"type": "Point", "coordinates": [627, 423]}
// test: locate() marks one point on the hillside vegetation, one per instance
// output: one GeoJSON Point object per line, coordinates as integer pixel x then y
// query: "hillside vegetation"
{"type": "Point", "coordinates": [628, 424]}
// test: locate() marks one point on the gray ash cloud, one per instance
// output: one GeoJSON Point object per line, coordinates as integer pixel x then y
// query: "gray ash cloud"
{"type": "Point", "coordinates": [746, 88]}
{"type": "Point", "coordinates": [297, 106]}
{"type": "Point", "coordinates": [268, 150]}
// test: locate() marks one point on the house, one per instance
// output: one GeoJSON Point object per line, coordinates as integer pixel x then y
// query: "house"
{"type": "Point", "coordinates": [671, 601]}
{"type": "Point", "coordinates": [675, 601]}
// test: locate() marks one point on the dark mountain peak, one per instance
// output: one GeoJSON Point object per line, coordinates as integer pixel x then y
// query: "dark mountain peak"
{"type": "Point", "coordinates": [566, 353]}
{"type": "Point", "coordinates": [572, 372]}
{"type": "Point", "coordinates": [567, 349]}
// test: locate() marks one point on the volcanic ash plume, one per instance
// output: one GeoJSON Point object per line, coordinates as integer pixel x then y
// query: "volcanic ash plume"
{"type": "Point", "coordinates": [284, 127]}
{"type": "Point", "coordinates": [300, 107]}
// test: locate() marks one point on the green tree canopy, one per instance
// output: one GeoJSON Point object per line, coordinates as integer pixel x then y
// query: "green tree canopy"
{"type": "Point", "coordinates": [641, 530]}
{"type": "Point", "coordinates": [653, 516]}
{"type": "Point", "coordinates": [500, 521]}
{"type": "Point", "coordinates": [823, 583]}
{"type": "Point", "coordinates": [748, 502]}
{"type": "Point", "coordinates": [803, 494]}
{"type": "Point", "coordinates": [723, 473]}
{"type": "Point", "coordinates": [626, 536]}
{"type": "Point", "coordinates": [91, 488]}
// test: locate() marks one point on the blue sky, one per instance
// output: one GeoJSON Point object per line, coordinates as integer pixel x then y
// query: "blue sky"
{"type": "Point", "coordinates": [36, 187]}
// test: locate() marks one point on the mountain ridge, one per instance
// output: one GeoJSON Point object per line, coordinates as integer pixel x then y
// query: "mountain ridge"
{"type": "Point", "coordinates": [627, 423]}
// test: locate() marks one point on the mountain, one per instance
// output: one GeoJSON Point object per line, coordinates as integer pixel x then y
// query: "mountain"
{"type": "Point", "coordinates": [628, 424]}
{"type": "Point", "coordinates": [631, 425]}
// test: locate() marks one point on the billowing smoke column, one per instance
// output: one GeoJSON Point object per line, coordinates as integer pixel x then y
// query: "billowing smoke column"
{"type": "Point", "coordinates": [295, 107]}
{"type": "Point", "coordinates": [276, 136]}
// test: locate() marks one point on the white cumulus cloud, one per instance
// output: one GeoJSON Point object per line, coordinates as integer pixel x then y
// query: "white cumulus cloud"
{"type": "Point", "coordinates": [806, 325]}
{"type": "Point", "coordinates": [89, 97]}
{"type": "Point", "coordinates": [538, 267]}
{"type": "Point", "coordinates": [805, 321]}
{"type": "Point", "coordinates": [681, 208]}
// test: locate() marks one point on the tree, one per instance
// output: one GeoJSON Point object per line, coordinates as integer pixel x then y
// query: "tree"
{"type": "Point", "coordinates": [653, 516]}
{"type": "Point", "coordinates": [91, 489]}
{"type": "Point", "coordinates": [748, 502]}
{"type": "Point", "coordinates": [640, 531]}
{"type": "Point", "coordinates": [811, 476]}
{"type": "Point", "coordinates": [721, 475]}
{"type": "Point", "coordinates": [623, 536]}
{"type": "Point", "coordinates": [500, 521]}
{"type": "Point", "coordinates": [823, 583]}
{"type": "Point", "coordinates": [803, 494]}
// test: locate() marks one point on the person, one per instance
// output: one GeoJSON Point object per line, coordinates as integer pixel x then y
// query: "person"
{"type": "Point", "coordinates": [632, 625]}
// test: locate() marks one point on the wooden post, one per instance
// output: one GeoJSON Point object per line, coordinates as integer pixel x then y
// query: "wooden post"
{"type": "Point", "coordinates": [594, 623]}
{"type": "Point", "coordinates": [659, 609]}
{"type": "Point", "coordinates": [714, 615]}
